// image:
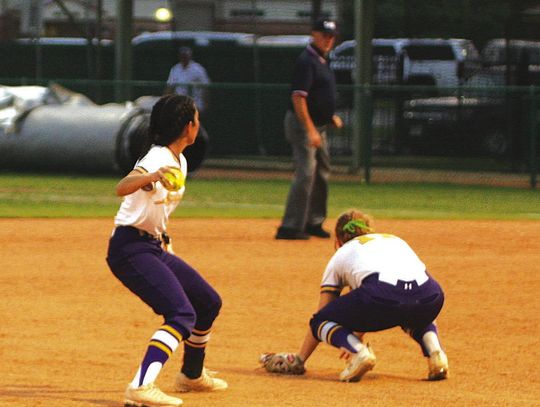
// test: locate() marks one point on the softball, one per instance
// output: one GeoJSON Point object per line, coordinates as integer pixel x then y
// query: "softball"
{"type": "Point", "coordinates": [176, 178]}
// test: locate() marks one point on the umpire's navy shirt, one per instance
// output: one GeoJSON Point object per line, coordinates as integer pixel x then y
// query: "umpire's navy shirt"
{"type": "Point", "coordinates": [313, 78]}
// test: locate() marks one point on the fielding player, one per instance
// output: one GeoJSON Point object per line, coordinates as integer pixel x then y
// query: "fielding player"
{"type": "Point", "coordinates": [172, 288]}
{"type": "Point", "coordinates": [389, 287]}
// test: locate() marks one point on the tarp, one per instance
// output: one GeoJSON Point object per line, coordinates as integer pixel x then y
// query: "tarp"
{"type": "Point", "coordinates": [52, 128]}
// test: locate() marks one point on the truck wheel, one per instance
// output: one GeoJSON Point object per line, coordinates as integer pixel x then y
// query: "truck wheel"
{"type": "Point", "coordinates": [495, 143]}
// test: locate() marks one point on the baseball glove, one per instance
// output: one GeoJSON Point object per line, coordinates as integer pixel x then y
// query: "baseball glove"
{"type": "Point", "coordinates": [282, 363]}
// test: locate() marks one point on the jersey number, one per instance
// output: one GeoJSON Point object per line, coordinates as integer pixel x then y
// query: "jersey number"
{"type": "Point", "coordinates": [367, 238]}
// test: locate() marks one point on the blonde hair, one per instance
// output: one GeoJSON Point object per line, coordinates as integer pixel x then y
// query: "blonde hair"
{"type": "Point", "coordinates": [351, 224]}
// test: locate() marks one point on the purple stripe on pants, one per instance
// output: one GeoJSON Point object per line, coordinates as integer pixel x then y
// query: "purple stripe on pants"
{"type": "Point", "coordinates": [165, 282]}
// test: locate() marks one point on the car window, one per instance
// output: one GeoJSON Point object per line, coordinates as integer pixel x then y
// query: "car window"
{"type": "Point", "coordinates": [349, 51]}
{"type": "Point", "coordinates": [534, 55]}
{"type": "Point", "coordinates": [430, 52]}
{"type": "Point", "coordinates": [386, 50]}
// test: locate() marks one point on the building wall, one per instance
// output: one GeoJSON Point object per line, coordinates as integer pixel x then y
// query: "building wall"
{"type": "Point", "coordinates": [271, 16]}
{"type": "Point", "coordinates": [278, 10]}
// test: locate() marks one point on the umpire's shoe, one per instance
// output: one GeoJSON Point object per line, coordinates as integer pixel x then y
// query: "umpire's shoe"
{"type": "Point", "coordinates": [438, 366]}
{"type": "Point", "coordinates": [358, 365]}
{"type": "Point", "coordinates": [286, 233]}
{"type": "Point", "coordinates": [206, 382]}
{"type": "Point", "coordinates": [149, 396]}
{"type": "Point", "coordinates": [318, 231]}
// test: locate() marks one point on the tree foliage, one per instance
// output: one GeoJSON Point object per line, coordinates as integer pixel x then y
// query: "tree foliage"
{"type": "Point", "coordinates": [478, 20]}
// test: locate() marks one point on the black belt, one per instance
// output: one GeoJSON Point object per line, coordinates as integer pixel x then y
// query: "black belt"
{"type": "Point", "coordinates": [404, 285]}
{"type": "Point", "coordinates": [142, 233]}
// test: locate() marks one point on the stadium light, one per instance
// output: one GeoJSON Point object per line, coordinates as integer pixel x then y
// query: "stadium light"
{"type": "Point", "coordinates": [163, 15]}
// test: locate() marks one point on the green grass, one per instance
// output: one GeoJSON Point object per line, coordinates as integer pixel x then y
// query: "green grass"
{"type": "Point", "coordinates": [26, 195]}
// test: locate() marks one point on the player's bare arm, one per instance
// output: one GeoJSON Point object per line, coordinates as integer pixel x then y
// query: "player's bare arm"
{"type": "Point", "coordinates": [137, 179]}
{"type": "Point", "coordinates": [310, 343]}
{"type": "Point", "coordinates": [293, 363]}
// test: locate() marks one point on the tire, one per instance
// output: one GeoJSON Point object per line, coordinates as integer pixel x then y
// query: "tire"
{"type": "Point", "coordinates": [495, 143]}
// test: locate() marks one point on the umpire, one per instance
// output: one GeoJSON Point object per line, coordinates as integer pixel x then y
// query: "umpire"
{"type": "Point", "coordinates": [313, 103]}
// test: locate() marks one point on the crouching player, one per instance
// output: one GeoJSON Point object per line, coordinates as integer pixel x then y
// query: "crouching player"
{"type": "Point", "coordinates": [389, 287]}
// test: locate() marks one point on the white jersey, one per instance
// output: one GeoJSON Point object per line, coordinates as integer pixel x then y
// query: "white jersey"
{"type": "Point", "coordinates": [192, 73]}
{"type": "Point", "coordinates": [148, 209]}
{"type": "Point", "coordinates": [381, 253]}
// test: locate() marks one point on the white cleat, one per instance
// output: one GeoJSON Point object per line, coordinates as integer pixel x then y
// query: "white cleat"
{"type": "Point", "coordinates": [206, 382]}
{"type": "Point", "coordinates": [358, 365]}
{"type": "Point", "coordinates": [438, 366]}
{"type": "Point", "coordinates": [149, 396]}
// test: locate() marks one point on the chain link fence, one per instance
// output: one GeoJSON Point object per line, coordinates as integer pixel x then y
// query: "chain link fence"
{"type": "Point", "coordinates": [482, 135]}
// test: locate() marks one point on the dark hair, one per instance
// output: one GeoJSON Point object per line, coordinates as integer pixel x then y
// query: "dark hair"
{"type": "Point", "coordinates": [170, 114]}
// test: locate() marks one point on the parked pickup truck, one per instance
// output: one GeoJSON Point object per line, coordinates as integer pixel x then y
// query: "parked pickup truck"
{"type": "Point", "coordinates": [456, 124]}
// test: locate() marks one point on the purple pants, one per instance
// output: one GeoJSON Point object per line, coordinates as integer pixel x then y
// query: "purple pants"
{"type": "Point", "coordinates": [375, 306]}
{"type": "Point", "coordinates": [165, 282]}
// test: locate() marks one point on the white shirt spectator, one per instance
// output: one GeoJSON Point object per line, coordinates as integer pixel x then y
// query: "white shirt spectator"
{"type": "Point", "coordinates": [180, 77]}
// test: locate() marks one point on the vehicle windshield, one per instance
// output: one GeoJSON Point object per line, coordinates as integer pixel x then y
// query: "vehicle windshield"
{"type": "Point", "coordinates": [430, 52]}
{"type": "Point", "coordinates": [387, 50]}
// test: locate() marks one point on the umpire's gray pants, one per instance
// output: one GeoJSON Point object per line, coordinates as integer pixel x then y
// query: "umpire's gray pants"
{"type": "Point", "coordinates": [307, 199]}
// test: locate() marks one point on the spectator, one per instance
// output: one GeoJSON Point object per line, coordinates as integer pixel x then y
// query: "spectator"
{"type": "Point", "coordinates": [184, 77]}
{"type": "Point", "coordinates": [313, 102]}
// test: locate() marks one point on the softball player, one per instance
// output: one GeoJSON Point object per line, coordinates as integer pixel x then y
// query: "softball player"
{"type": "Point", "coordinates": [389, 287]}
{"type": "Point", "coordinates": [162, 280]}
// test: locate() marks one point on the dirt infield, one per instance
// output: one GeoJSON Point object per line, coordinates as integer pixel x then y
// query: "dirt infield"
{"type": "Point", "coordinates": [72, 335]}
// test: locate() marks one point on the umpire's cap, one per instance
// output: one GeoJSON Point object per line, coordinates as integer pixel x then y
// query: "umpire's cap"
{"type": "Point", "coordinates": [325, 25]}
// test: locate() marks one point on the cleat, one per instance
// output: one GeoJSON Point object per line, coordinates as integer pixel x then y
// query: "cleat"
{"type": "Point", "coordinates": [149, 396]}
{"type": "Point", "coordinates": [358, 365]}
{"type": "Point", "coordinates": [438, 366]}
{"type": "Point", "coordinates": [206, 382]}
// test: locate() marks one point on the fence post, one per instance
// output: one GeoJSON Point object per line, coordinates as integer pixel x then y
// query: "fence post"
{"type": "Point", "coordinates": [123, 57]}
{"type": "Point", "coordinates": [363, 28]}
{"type": "Point", "coordinates": [366, 127]}
{"type": "Point", "coordinates": [357, 81]}
{"type": "Point", "coordinates": [533, 156]}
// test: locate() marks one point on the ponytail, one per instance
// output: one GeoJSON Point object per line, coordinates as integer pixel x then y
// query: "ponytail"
{"type": "Point", "coordinates": [351, 224]}
{"type": "Point", "coordinates": [169, 117]}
